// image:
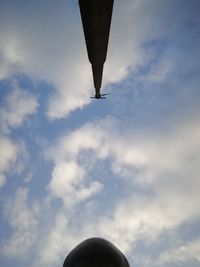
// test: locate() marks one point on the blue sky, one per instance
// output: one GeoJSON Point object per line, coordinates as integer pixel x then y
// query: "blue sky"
{"type": "Point", "coordinates": [125, 169]}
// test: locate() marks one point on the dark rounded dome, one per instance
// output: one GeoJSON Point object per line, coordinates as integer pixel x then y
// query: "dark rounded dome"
{"type": "Point", "coordinates": [95, 252]}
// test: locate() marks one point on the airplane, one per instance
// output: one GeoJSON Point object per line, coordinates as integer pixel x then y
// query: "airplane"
{"type": "Point", "coordinates": [96, 18]}
{"type": "Point", "coordinates": [99, 96]}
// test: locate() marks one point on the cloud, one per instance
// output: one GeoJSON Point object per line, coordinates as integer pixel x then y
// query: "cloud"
{"type": "Point", "coordinates": [22, 218]}
{"type": "Point", "coordinates": [163, 164]}
{"type": "Point", "coordinates": [166, 167]}
{"type": "Point", "coordinates": [12, 158]}
{"type": "Point", "coordinates": [2, 180]}
{"type": "Point", "coordinates": [55, 242]}
{"type": "Point", "coordinates": [131, 147]}
{"type": "Point", "coordinates": [185, 253]}
{"type": "Point", "coordinates": [8, 155]}
{"type": "Point", "coordinates": [59, 240]}
{"type": "Point", "coordinates": [50, 49]}
{"type": "Point", "coordinates": [67, 183]}
{"type": "Point", "coordinates": [10, 57]}
{"type": "Point", "coordinates": [19, 104]}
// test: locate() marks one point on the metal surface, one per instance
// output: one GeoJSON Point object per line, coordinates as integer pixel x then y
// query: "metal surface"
{"type": "Point", "coordinates": [96, 18]}
{"type": "Point", "coordinates": [96, 252]}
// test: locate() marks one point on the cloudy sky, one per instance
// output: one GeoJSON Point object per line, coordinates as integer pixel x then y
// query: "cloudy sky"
{"type": "Point", "coordinates": [125, 168]}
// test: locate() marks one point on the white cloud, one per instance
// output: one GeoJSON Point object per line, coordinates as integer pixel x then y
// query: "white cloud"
{"type": "Point", "coordinates": [22, 218]}
{"type": "Point", "coordinates": [55, 242]}
{"type": "Point", "coordinates": [165, 163]}
{"type": "Point", "coordinates": [19, 104]}
{"type": "Point", "coordinates": [12, 158]}
{"type": "Point", "coordinates": [159, 71]}
{"type": "Point", "coordinates": [2, 180]}
{"type": "Point", "coordinates": [7, 157]}
{"type": "Point", "coordinates": [49, 48]}
{"type": "Point", "coordinates": [144, 22]}
{"type": "Point", "coordinates": [8, 150]}
{"type": "Point", "coordinates": [168, 167]}
{"type": "Point", "coordinates": [185, 253]}
{"type": "Point", "coordinates": [10, 57]}
{"type": "Point", "coordinates": [152, 152]}
{"type": "Point", "coordinates": [67, 183]}
{"type": "Point", "coordinates": [59, 240]}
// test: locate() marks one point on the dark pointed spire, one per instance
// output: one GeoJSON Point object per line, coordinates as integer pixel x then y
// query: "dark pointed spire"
{"type": "Point", "coordinates": [96, 18]}
{"type": "Point", "coordinates": [97, 70]}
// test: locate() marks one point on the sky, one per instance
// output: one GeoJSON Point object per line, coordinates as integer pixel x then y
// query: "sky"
{"type": "Point", "coordinates": [125, 168]}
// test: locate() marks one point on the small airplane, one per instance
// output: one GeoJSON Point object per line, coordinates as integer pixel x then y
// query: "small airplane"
{"type": "Point", "coordinates": [99, 96]}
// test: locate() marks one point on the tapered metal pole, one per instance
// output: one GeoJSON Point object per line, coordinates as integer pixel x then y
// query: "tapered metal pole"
{"type": "Point", "coordinates": [96, 18]}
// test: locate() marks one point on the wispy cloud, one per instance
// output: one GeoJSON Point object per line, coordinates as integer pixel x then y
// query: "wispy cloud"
{"type": "Point", "coordinates": [67, 183]}
{"type": "Point", "coordinates": [162, 163]}
{"type": "Point", "coordinates": [18, 105]}
{"type": "Point", "coordinates": [185, 253]}
{"type": "Point", "coordinates": [12, 158]}
{"type": "Point", "coordinates": [23, 220]}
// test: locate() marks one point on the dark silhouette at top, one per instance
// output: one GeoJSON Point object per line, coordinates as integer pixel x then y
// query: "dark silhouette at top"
{"type": "Point", "coordinates": [96, 18]}
{"type": "Point", "coordinates": [95, 252]}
